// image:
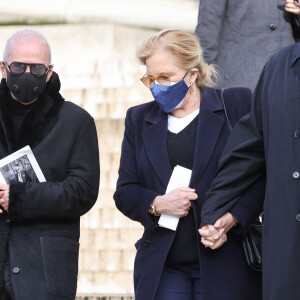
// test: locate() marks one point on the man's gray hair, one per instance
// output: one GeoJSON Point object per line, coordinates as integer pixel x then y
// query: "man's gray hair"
{"type": "Point", "coordinates": [25, 35]}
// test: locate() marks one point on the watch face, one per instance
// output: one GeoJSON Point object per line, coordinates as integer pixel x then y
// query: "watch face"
{"type": "Point", "coordinates": [152, 210]}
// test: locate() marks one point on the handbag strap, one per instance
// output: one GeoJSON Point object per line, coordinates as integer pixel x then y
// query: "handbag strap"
{"type": "Point", "coordinates": [223, 104]}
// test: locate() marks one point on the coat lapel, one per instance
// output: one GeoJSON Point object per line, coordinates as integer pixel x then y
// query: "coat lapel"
{"type": "Point", "coordinates": [155, 142]}
{"type": "Point", "coordinates": [210, 124]}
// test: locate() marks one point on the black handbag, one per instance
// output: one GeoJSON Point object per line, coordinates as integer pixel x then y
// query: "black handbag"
{"type": "Point", "coordinates": [253, 239]}
{"type": "Point", "coordinates": [252, 246]}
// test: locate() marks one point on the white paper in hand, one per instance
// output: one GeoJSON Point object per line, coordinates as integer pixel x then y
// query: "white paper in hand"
{"type": "Point", "coordinates": [21, 166]}
{"type": "Point", "coordinates": [180, 178]}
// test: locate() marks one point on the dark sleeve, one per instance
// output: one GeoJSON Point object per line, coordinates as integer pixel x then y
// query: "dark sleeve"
{"type": "Point", "coordinates": [67, 199]}
{"type": "Point", "coordinates": [250, 205]}
{"type": "Point", "coordinates": [295, 23]}
{"type": "Point", "coordinates": [210, 20]}
{"type": "Point", "coordinates": [131, 198]}
{"type": "Point", "coordinates": [242, 163]}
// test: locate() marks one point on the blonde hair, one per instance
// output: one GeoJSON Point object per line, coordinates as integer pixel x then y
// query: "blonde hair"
{"type": "Point", "coordinates": [186, 49]}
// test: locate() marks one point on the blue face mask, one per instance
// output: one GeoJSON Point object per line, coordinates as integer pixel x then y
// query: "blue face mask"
{"type": "Point", "coordinates": [168, 97]}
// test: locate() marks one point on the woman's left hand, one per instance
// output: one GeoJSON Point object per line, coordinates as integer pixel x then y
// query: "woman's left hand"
{"type": "Point", "coordinates": [292, 7]}
{"type": "Point", "coordinates": [214, 236]}
{"type": "Point", "coordinates": [211, 237]}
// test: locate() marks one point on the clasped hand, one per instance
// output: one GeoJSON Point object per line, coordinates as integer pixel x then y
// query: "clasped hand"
{"type": "Point", "coordinates": [214, 236]}
{"type": "Point", "coordinates": [4, 196]}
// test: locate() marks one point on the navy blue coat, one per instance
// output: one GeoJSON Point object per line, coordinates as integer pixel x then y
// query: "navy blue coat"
{"type": "Point", "coordinates": [144, 173]}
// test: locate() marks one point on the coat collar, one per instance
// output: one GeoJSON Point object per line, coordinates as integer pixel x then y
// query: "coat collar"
{"type": "Point", "coordinates": [209, 126]}
{"type": "Point", "coordinates": [37, 122]}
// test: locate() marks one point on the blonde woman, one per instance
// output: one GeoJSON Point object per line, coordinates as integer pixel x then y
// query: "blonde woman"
{"type": "Point", "coordinates": [185, 125]}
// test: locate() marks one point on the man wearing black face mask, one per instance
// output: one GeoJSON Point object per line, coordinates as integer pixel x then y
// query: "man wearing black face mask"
{"type": "Point", "coordinates": [39, 222]}
{"type": "Point", "coordinates": [26, 86]}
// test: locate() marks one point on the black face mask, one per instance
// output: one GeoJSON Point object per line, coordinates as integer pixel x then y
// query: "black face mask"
{"type": "Point", "coordinates": [26, 87]}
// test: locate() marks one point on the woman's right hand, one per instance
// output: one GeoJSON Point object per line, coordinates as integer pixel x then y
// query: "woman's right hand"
{"type": "Point", "coordinates": [175, 203]}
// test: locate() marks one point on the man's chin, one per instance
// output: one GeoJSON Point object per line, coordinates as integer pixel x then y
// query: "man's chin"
{"type": "Point", "coordinates": [25, 103]}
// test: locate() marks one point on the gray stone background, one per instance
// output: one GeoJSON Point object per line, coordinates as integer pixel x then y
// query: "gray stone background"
{"type": "Point", "coordinates": [93, 48]}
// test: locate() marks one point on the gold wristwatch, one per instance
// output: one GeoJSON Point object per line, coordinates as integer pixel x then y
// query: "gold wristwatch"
{"type": "Point", "coordinates": [152, 210]}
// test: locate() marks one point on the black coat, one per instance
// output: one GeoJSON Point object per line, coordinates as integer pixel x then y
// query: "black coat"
{"type": "Point", "coordinates": [144, 173]}
{"type": "Point", "coordinates": [42, 226]}
{"type": "Point", "coordinates": [269, 139]}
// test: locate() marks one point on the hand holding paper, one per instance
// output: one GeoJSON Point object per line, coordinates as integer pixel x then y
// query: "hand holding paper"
{"type": "Point", "coordinates": [20, 166]}
{"type": "Point", "coordinates": [177, 198]}
{"type": "Point", "coordinates": [176, 203]}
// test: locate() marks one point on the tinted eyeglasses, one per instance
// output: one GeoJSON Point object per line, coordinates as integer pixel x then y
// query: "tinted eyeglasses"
{"type": "Point", "coordinates": [164, 79]}
{"type": "Point", "coordinates": [19, 68]}
{"type": "Point", "coordinates": [149, 81]}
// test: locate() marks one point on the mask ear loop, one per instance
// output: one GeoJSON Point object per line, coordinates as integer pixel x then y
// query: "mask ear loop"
{"type": "Point", "coordinates": [192, 90]}
{"type": "Point", "coordinates": [199, 57]}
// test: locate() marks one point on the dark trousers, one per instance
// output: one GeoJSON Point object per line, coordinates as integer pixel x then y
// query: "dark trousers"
{"type": "Point", "coordinates": [180, 283]}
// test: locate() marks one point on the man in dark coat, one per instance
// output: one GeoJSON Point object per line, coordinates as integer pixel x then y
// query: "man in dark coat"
{"type": "Point", "coordinates": [40, 221]}
{"type": "Point", "coordinates": [239, 36]}
{"type": "Point", "coordinates": [268, 139]}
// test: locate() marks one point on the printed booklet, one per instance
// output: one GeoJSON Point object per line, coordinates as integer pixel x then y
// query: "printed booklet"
{"type": "Point", "coordinates": [20, 166]}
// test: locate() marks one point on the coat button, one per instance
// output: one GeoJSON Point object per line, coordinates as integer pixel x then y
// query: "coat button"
{"type": "Point", "coordinates": [7, 219]}
{"type": "Point", "coordinates": [296, 175]}
{"type": "Point", "coordinates": [296, 134]}
{"type": "Point", "coordinates": [272, 27]}
{"type": "Point", "coordinates": [16, 270]}
{"type": "Point", "coordinates": [146, 243]}
{"type": "Point", "coordinates": [298, 217]}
